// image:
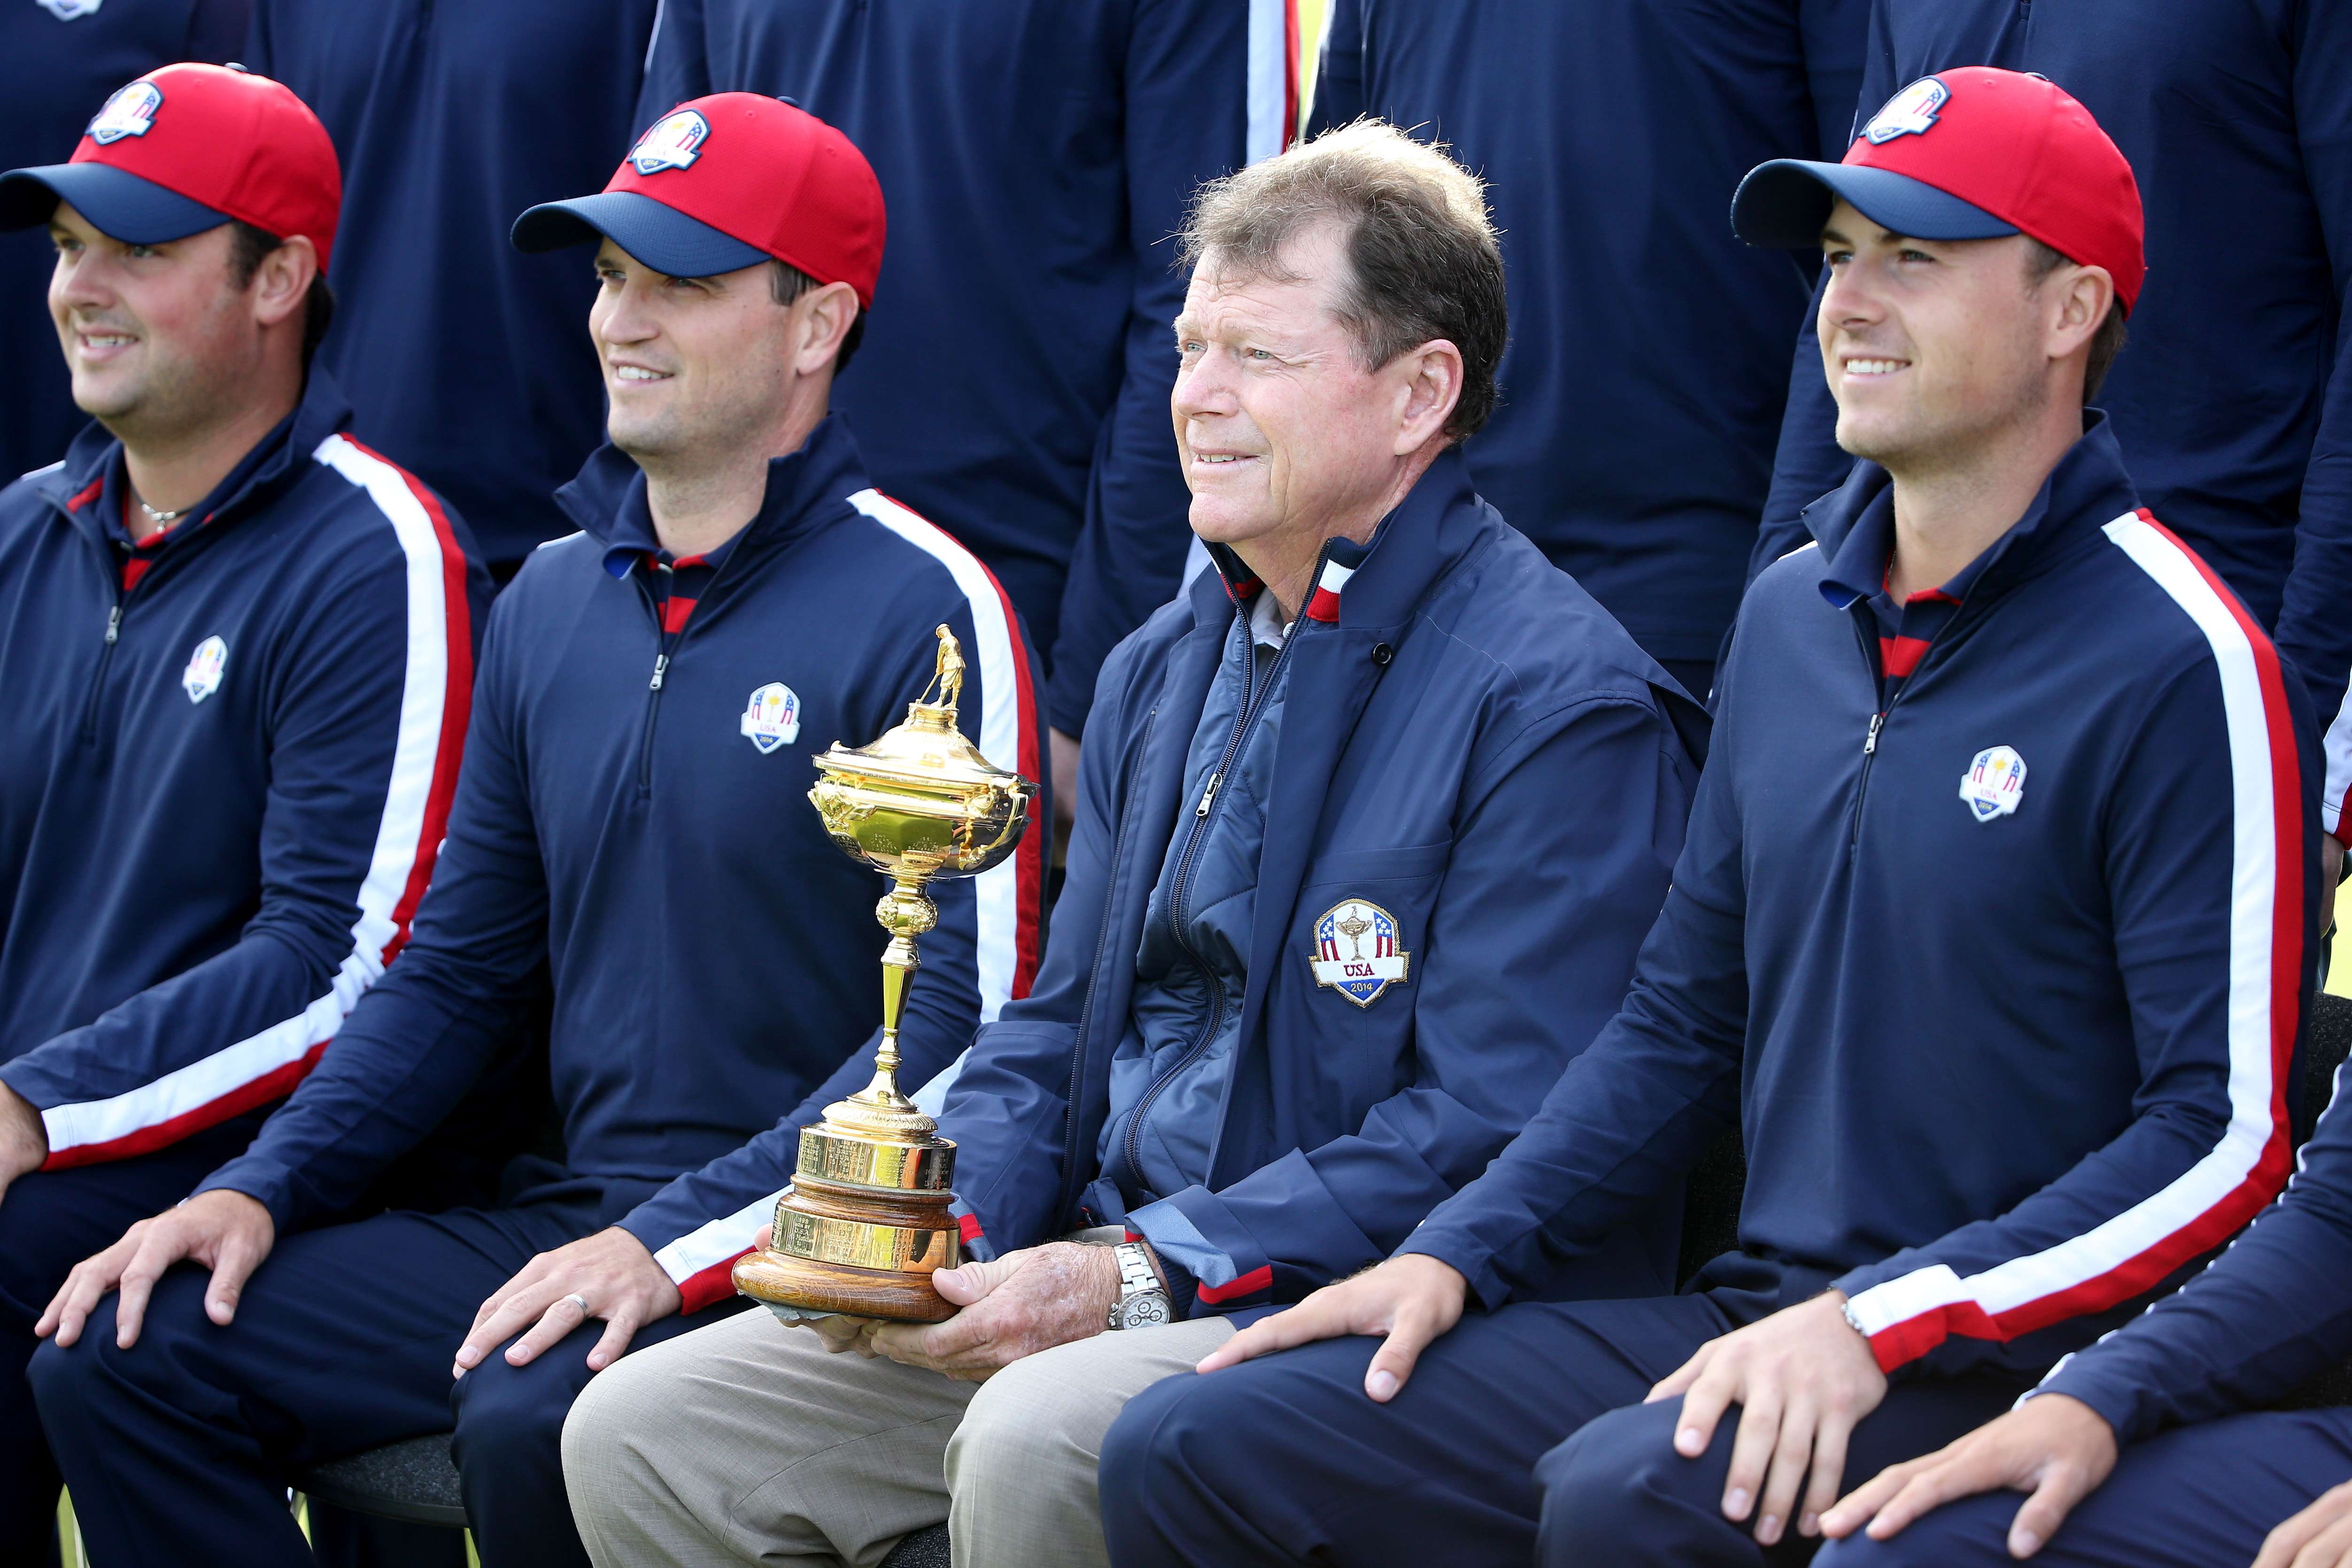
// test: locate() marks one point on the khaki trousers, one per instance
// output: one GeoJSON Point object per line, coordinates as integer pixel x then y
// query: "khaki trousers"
{"type": "Point", "coordinates": [749, 1442]}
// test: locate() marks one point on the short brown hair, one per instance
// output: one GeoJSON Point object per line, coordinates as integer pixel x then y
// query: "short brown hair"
{"type": "Point", "coordinates": [1418, 241]}
{"type": "Point", "coordinates": [787, 283]}
{"type": "Point", "coordinates": [249, 248]}
{"type": "Point", "coordinates": [2041, 261]}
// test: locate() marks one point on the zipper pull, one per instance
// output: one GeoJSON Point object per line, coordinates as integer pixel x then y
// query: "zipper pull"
{"type": "Point", "coordinates": [1208, 795]}
{"type": "Point", "coordinates": [1870, 741]}
{"type": "Point", "coordinates": [113, 624]}
{"type": "Point", "coordinates": [661, 662]}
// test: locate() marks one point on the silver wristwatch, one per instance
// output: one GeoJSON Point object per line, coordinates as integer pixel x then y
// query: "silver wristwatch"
{"type": "Point", "coordinates": [1142, 1301]}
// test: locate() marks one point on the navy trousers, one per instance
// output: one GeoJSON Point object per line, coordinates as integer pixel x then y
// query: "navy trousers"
{"type": "Point", "coordinates": [2190, 1498]}
{"type": "Point", "coordinates": [179, 1449]}
{"type": "Point", "coordinates": [49, 1221]}
{"type": "Point", "coordinates": [1520, 1436]}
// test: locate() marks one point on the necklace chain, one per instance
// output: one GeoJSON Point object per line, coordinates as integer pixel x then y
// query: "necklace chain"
{"type": "Point", "coordinates": [154, 515]}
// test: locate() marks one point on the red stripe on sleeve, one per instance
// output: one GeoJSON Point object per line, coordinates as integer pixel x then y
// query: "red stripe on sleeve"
{"type": "Point", "coordinates": [1258, 1278]}
{"type": "Point", "coordinates": [275, 1084]}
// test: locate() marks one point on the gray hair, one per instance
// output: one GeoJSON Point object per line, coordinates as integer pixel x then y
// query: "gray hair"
{"type": "Point", "coordinates": [1418, 241]}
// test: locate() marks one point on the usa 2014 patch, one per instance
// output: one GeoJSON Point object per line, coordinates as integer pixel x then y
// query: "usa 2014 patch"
{"type": "Point", "coordinates": [1358, 951]}
{"type": "Point", "coordinates": [1911, 112]}
{"type": "Point", "coordinates": [674, 143]}
{"type": "Point", "coordinates": [772, 716]}
{"type": "Point", "coordinates": [1994, 783]}
{"type": "Point", "coordinates": [130, 112]}
{"type": "Point", "coordinates": [201, 678]}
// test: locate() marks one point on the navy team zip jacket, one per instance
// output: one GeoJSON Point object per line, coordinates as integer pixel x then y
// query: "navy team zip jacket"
{"type": "Point", "coordinates": [1608, 132]}
{"type": "Point", "coordinates": [466, 358]}
{"type": "Point", "coordinates": [2232, 402]}
{"type": "Point", "coordinates": [1999, 1071]}
{"type": "Point", "coordinates": [222, 790]}
{"type": "Point", "coordinates": [1035, 155]}
{"type": "Point", "coordinates": [2271, 1312]}
{"type": "Point", "coordinates": [650, 845]}
{"type": "Point", "coordinates": [1468, 742]}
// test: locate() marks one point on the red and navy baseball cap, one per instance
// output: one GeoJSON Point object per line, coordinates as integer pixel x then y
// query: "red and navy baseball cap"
{"type": "Point", "coordinates": [186, 149]}
{"type": "Point", "coordinates": [1971, 153]}
{"type": "Point", "coordinates": [727, 181]}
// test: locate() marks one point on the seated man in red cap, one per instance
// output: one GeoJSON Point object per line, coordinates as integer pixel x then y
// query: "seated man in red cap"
{"type": "Point", "coordinates": [1991, 935]}
{"type": "Point", "coordinates": [630, 825]}
{"type": "Point", "coordinates": [237, 648]}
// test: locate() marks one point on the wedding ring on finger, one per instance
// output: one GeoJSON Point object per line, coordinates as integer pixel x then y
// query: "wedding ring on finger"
{"type": "Point", "coordinates": [577, 1299]}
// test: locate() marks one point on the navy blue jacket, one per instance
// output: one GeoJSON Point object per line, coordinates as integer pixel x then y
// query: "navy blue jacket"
{"type": "Point", "coordinates": [1999, 1071]}
{"type": "Point", "coordinates": [714, 956]}
{"type": "Point", "coordinates": [2232, 402]}
{"type": "Point", "coordinates": [466, 360]}
{"type": "Point", "coordinates": [2271, 1312]}
{"type": "Point", "coordinates": [221, 792]}
{"type": "Point", "coordinates": [1470, 743]}
{"type": "Point", "coordinates": [1035, 156]}
{"type": "Point", "coordinates": [64, 56]}
{"type": "Point", "coordinates": [1647, 366]}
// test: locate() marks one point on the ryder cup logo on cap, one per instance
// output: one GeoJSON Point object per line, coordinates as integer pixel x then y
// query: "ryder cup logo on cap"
{"type": "Point", "coordinates": [1911, 112]}
{"type": "Point", "coordinates": [130, 112]}
{"type": "Point", "coordinates": [772, 717]}
{"type": "Point", "coordinates": [1994, 783]}
{"type": "Point", "coordinates": [674, 143]}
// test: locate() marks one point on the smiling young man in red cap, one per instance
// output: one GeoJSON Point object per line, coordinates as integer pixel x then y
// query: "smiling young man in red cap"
{"type": "Point", "coordinates": [629, 825]}
{"type": "Point", "coordinates": [1990, 936]}
{"type": "Point", "coordinates": [237, 648]}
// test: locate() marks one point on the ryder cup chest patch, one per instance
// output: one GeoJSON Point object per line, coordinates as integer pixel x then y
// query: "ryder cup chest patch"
{"type": "Point", "coordinates": [1994, 783]}
{"type": "Point", "coordinates": [772, 716]}
{"type": "Point", "coordinates": [1358, 951]}
{"type": "Point", "coordinates": [201, 678]}
{"type": "Point", "coordinates": [674, 142]}
{"type": "Point", "coordinates": [130, 112]}
{"type": "Point", "coordinates": [1911, 112]}
{"type": "Point", "coordinates": [70, 10]}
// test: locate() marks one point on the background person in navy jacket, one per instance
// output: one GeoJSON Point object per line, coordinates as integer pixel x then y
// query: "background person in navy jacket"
{"type": "Point", "coordinates": [463, 355]}
{"type": "Point", "coordinates": [1037, 156]}
{"type": "Point", "coordinates": [2234, 407]}
{"type": "Point", "coordinates": [629, 821]}
{"type": "Point", "coordinates": [237, 647]}
{"type": "Point", "coordinates": [64, 56]}
{"type": "Point", "coordinates": [1643, 388]}
{"type": "Point", "coordinates": [1992, 935]}
{"type": "Point", "coordinates": [1372, 819]}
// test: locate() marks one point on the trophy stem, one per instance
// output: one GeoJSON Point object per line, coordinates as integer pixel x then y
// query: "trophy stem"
{"type": "Point", "coordinates": [906, 912]}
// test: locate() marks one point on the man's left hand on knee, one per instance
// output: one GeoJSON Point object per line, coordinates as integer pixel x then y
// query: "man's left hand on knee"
{"type": "Point", "coordinates": [1016, 1305]}
{"type": "Point", "coordinates": [609, 1275]}
{"type": "Point", "coordinates": [1803, 1379]}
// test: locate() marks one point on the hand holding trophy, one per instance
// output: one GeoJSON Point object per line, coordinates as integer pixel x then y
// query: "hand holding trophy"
{"type": "Point", "coordinates": [865, 1223]}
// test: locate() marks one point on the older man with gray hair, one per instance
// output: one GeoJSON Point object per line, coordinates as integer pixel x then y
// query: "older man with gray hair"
{"type": "Point", "coordinates": [1370, 823]}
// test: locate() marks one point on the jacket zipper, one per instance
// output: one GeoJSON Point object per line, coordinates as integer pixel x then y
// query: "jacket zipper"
{"type": "Point", "coordinates": [1878, 720]}
{"type": "Point", "coordinates": [661, 670]}
{"type": "Point", "coordinates": [98, 679]}
{"type": "Point", "coordinates": [1253, 696]}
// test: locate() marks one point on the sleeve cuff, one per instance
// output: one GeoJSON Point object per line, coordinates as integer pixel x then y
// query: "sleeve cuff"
{"type": "Point", "coordinates": [1487, 1282]}
{"type": "Point", "coordinates": [1225, 1273]}
{"type": "Point", "coordinates": [2120, 1406]}
{"type": "Point", "coordinates": [264, 1181]}
{"type": "Point", "coordinates": [701, 1263]}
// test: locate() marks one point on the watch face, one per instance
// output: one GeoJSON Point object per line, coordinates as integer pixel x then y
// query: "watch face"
{"type": "Point", "coordinates": [1143, 1311]}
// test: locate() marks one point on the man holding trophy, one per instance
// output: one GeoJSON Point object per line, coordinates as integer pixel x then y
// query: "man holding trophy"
{"type": "Point", "coordinates": [1371, 822]}
{"type": "Point", "coordinates": [631, 822]}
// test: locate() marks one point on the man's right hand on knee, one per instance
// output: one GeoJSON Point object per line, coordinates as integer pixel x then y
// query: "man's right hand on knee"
{"type": "Point", "coordinates": [225, 1232]}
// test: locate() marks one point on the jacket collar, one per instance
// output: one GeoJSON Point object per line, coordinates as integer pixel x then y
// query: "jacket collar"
{"type": "Point", "coordinates": [2086, 490]}
{"type": "Point", "coordinates": [85, 485]}
{"type": "Point", "coordinates": [1376, 583]}
{"type": "Point", "coordinates": [608, 498]}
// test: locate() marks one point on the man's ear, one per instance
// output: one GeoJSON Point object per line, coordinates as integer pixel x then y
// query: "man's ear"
{"type": "Point", "coordinates": [282, 282]}
{"type": "Point", "coordinates": [1431, 386]}
{"type": "Point", "coordinates": [829, 313]}
{"type": "Point", "coordinates": [2082, 302]}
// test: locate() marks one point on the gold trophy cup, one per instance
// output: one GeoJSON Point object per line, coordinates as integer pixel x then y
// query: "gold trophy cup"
{"type": "Point", "coordinates": [865, 1223]}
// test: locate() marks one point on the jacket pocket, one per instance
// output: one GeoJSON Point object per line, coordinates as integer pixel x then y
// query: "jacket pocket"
{"type": "Point", "coordinates": [1411, 863]}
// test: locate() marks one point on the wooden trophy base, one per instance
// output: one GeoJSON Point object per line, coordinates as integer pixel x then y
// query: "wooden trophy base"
{"type": "Point", "coordinates": [815, 1286]}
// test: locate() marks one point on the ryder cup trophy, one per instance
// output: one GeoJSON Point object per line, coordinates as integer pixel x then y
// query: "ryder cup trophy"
{"type": "Point", "coordinates": [865, 1223]}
